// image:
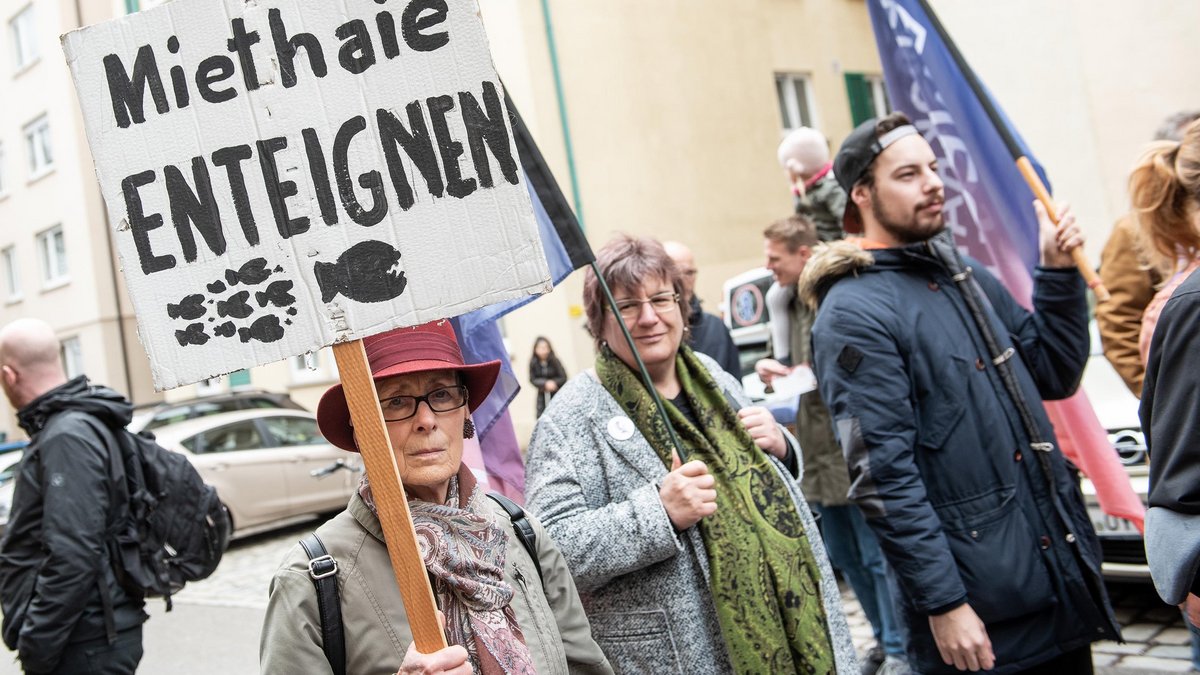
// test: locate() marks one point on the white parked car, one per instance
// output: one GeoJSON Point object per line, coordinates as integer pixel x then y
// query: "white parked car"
{"type": "Point", "coordinates": [271, 466]}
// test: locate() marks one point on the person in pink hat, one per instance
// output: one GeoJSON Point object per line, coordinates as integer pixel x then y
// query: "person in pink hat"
{"type": "Point", "coordinates": [504, 610]}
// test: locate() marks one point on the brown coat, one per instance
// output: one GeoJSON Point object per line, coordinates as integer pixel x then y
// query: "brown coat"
{"type": "Point", "coordinates": [376, 625]}
{"type": "Point", "coordinates": [1131, 283]}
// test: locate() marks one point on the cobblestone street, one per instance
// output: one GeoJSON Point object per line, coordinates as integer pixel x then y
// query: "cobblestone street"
{"type": "Point", "coordinates": [215, 627]}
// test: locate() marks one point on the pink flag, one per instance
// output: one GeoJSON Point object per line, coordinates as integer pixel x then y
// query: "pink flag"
{"type": "Point", "coordinates": [1084, 442]}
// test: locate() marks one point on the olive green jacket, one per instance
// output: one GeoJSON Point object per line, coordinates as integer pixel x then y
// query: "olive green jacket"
{"type": "Point", "coordinates": [376, 627]}
{"type": "Point", "coordinates": [824, 203]}
{"type": "Point", "coordinates": [826, 477]}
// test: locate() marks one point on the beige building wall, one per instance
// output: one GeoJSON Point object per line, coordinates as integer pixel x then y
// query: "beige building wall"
{"type": "Point", "coordinates": [1086, 82]}
{"type": "Point", "coordinates": [674, 120]}
{"type": "Point", "coordinates": [82, 305]}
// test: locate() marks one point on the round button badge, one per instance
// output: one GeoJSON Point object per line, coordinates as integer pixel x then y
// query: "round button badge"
{"type": "Point", "coordinates": [621, 428]}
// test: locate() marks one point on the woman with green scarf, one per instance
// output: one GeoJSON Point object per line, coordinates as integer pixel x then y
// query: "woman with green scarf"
{"type": "Point", "coordinates": [706, 564]}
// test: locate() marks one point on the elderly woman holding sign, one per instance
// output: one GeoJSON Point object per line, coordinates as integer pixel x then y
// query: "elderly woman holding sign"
{"type": "Point", "coordinates": [709, 565]}
{"type": "Point", "coordinates": [509, 603]}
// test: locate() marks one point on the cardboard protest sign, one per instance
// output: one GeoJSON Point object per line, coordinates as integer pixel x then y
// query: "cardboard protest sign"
{"type": "Point", "coordinates": [284, 175]}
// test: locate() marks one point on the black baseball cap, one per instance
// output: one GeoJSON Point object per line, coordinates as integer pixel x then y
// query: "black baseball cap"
{"type": "Point", "coordinates": [853, 159]}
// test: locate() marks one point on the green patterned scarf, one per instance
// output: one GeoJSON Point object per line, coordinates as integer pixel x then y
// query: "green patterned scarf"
{"type": "Point", "coordinates": [765, 581]}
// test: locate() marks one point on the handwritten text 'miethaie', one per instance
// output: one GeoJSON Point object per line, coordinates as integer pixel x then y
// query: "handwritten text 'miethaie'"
{"type": "Point", "coordinates": [418, 29]}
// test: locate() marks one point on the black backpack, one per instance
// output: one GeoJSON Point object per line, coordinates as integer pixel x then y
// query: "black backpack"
{"type": "Point", "coordinates": [174, 528]}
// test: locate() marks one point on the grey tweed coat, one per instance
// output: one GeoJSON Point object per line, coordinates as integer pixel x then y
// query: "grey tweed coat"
{"type": "Point", "coordinates": [593, 481]}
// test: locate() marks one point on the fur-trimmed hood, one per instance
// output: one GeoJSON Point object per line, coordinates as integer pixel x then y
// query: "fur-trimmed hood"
{"type": "Point", "coordinates": [830, 262]}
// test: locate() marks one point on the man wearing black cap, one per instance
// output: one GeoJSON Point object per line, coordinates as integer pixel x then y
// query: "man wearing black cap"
{"type": "Point", "coordinates": [934, 376]}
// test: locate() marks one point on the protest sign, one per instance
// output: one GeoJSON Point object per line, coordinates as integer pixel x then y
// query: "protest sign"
{"type": "Point", "coordinates": [287, 175]}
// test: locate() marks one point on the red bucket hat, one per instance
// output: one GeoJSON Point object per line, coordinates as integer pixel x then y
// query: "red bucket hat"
{"type": "Point", "coordinates": [430, 346]}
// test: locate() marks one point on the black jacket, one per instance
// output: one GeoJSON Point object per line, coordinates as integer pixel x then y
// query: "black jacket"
{"type": "Point", "coordinates": [939, 460]}
{"type": "Point", "coordinates": [54, 551]}
{"type": "Point", "coordinates": [710, 337]}
{"type": "Point", "coordinates": [541, 372]}
{"type": "Point", "coordinates": [1170, 412]}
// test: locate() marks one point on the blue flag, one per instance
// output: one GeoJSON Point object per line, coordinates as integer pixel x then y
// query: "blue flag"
{"type": "Point", "coordinates": [566, 250]}
{"type": "Point", "coordinates": [988, 204]}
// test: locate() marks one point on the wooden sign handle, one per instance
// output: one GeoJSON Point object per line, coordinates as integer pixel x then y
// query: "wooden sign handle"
{"type": "Point", "coordinates": [370, 432]}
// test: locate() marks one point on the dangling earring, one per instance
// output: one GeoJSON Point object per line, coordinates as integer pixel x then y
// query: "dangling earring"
{"type": "Point", "coordinates": [469, 428]}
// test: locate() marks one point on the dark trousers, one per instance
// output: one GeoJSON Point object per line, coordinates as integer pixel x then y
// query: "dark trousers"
{"type": "Point", "coordinates": [97, 657]}
{"type": "Point", "coordinates": [1078, 662]}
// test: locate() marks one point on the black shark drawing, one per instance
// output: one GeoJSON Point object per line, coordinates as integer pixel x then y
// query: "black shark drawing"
{"type": "Point", "coordinates": [363, 273]}
{"type": "Point", "coordinates": [236, 306]}
{"type": "Point", "coordinates": [278, 293]}
{"type": "Point", "coordinates": [191, 307]}
{"type": "Point", "coordinates": [192, 335]}
{"type": "Point", "coordinates": [252, 273]}
{"type": "Point", "coordinates": [264, 329]}
{"type": "Point", "coordinates": [225, 330]}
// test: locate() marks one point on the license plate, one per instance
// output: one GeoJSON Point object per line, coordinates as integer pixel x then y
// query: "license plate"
{"type": "Point", "coordinates": [1107, 525]}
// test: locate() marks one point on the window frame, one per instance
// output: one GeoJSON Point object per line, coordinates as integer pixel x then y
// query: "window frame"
{"type": "Point", "coordinates": [68, 358]}
{"type": "Point", "coordinates": [41, 126]}
{"type": "Point", "coordinates": [3, 166]}
{"type": "Point", "coordinates": [62, 275]}
{"type": "Point", "coordinates": [12, 276]}
{"type": "Point", "coordinates": [24, 19]}
{"type": "Point", "coordinates": [792, 113]}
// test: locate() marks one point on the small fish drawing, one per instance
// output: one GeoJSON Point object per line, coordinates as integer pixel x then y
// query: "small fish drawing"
{"type": "Point", "coordinates": [365, 272]}
{"type": "Point", "coordinates": [277, 294]}
{"type": "Point", "coordinates": [236, 306]}
{"type": "Point", "coordinates": [217, 286]}
{"type": "Point", "coordinates": [225, 330]}
{"type": "Point", "coordinates": [264, 329]}
{"type": "Point", "coordinates": [192, 335]}
{"type": "Point", "coordinates": [253, 272]}
{"type": "Point", "coordinates": [191, 307]}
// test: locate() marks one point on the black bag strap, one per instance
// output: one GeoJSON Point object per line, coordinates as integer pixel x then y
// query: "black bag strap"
{"type": "Point", "coordinates": [522, 527]}
{"type": "Point", "coordinates": [118, 504]}
{"type": "Point", "coordinates": [322, 568]}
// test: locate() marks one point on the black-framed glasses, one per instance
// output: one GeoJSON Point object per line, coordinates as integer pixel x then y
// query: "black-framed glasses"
{"type": "Point", "coordinates": [443, 399]}
{"type": "Point", "coordinates": [662, 303]}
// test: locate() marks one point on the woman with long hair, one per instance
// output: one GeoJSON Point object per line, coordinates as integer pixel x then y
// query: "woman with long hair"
{"type": "Point", "coordinates": [1165, 190]}
{"type": "Point", "coordinates": [546, 373]}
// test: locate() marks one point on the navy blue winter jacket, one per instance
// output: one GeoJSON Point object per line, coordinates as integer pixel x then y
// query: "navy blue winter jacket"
{"type": "Point", "coordinates": [939, 460]}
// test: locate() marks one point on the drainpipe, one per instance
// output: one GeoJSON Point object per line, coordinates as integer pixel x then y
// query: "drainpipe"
{"type": "Point", "coordinates": [130, 6]}
{"type": "Point", "coordinates": [562, 111]}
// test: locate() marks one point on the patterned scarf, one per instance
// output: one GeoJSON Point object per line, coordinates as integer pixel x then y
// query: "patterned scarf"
{"type": "Point", "coordinates": [465, 554]}
{"type": "Point", "coordinates": [764, 578]}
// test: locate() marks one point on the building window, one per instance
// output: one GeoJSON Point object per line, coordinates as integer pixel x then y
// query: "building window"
{"type": "Point", "coordinates": [309, 368]}
{"type": "Point", "coordinates": [72, 357]}
{"type": "Point", "coordinates": [239, 378]}
{"type": "Point", "coordinates": [795, 100]}
{"type": "Point", "coordinates": [868, 97]}
{"type": "Point", "coordinates": [24, 38]}
{"type": "Point", "coordinates": [37, 147]}
{"type": "Point", "coordinates": [210, 386]}
{"type": "Point", "coordinates": [52, 251]}
{"type": "Point", "coordinates": [12, 280]}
